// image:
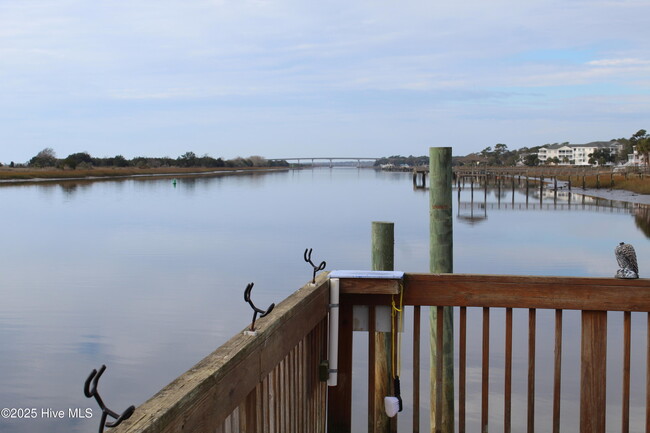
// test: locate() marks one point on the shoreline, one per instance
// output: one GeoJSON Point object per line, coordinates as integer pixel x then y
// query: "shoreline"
{"type": "Point", "coordinates": [616, 194]}
{"type": "Point", "coordinates": [118, 174]}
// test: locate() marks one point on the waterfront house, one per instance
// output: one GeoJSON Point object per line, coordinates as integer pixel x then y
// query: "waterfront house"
{"type": "Point", "coordinates": [575, 154]}
{"type": "Point", "coordinates": [635, 158]}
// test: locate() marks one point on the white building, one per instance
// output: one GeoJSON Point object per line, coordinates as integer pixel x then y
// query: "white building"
{"type": "Point", "coordinates": [575, 154]}
{"type": "Point", "coordinates": [635, 158]}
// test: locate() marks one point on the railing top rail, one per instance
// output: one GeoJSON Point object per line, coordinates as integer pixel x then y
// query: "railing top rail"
{"type": "Point", "coordinates": [511, 291]}
{"type": "Point", "coordinates": [208, 392]}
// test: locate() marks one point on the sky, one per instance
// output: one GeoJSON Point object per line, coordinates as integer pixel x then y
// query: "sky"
{"type": "Point", "coordinates": [288, 78]}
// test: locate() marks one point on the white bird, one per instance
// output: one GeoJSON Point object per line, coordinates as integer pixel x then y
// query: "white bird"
{"type": "Point", "coordinates": [626, 258]}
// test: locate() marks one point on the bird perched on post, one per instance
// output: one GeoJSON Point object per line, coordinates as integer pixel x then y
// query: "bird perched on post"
{"type": "Point", "coordinates": [626, 258]}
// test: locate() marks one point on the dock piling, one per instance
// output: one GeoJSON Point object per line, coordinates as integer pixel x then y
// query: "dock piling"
{"type": "Point", "coordinates": [383, 241]}
{"type": "Point", "coordinates": [441, 261]}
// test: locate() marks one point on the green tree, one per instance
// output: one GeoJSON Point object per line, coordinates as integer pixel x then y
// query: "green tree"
{"type": "Point", "coordinates": [75, 159]}
{"type": "Point", "coordinates": [601, 157]}
{"type": "Point", "coordinates": [555, 160]}
{"type": "Point", "coordinates": [44, 158]}
{"type": "Point", "coordinates": [188, 159]}
{"type": "Point", "coordinates": [531, 160]}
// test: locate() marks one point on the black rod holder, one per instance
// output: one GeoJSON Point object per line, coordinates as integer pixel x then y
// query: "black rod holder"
{"type": "Point", "coordinates": [320, 267]}
{"type": "Point", "coordinates": [92, 392]}
{"type": "Point", "coordinates": [247, 298]}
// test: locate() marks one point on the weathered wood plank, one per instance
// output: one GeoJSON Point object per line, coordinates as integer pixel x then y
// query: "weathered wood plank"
{"type": "Point", "coordinates": [566, 293]}
{"type": "Point", "coordinates": [593, 377]}
{"type": "Point", "coordinates": [369, 286]}
{"type": "Point", "coordinates": [201, 399]}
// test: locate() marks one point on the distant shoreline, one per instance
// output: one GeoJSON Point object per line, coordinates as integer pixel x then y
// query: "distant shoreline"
{"type": "Point", "coordinates": [12, 176]}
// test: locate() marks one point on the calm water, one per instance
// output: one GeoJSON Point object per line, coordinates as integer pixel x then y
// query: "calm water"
{"type": "Point", "coordinates": [148, 278]}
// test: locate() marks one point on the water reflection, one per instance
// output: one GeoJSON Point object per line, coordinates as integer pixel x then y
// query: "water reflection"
{"type": "Point", "coordinates": [642, 219]}
{"type": "Point", "coordinates": [473, 207]}
{"type": "Point", "coordinates": [148, 278]}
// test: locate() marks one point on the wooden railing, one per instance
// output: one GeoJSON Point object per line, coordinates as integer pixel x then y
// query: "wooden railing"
{"type": "Point", "coordinates": [594, 297]}
{"type": "Point", "coordinates": [269, 382]}
{"type": "Point", "coordinates": [254, 383]}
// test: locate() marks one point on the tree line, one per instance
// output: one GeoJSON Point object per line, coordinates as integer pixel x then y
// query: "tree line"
{"type": "Point", "coordinates": [47, 158]}
{"type": "Point", "coordinates": [501, 155]}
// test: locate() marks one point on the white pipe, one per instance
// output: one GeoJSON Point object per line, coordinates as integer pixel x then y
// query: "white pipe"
{"type": "Point", "coordinates": [333, 332]}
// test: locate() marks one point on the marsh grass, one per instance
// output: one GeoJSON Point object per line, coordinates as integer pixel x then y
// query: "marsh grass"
{"type": "Point", "coordinates": [35, 174]}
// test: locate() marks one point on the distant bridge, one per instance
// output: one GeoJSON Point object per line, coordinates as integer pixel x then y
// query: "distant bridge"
{"type": "Point", "coordinates": [331, 159]}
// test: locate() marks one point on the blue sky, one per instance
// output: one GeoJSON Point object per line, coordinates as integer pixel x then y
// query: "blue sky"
{"type": "Point", "coordinates": [293, 78]}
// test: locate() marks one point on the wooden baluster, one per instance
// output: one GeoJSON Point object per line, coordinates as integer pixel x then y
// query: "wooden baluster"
{"type": "Point", "coordinates": [416, 369]}
{"type": "Point", "coordinates": [531, 370]}
{"type": "Point", "coordinates": [558, 371]}
{"type": "Point", "coordinates": [507, 410]}
{"type": "Point", "coordinates": [593, 376]}
{"type": "Point", "coordinates": [462, 368]}
{"type": "Point", "coordinates": [627, 331]}
{"type": "Point", "coordinates": [371, 369]}
{"type": "Point", "coordinates": [485, 371]}
{"type": "Point", "coordinates": [647, 380]}
{"type": "Point", "coordinates": [439, 356]}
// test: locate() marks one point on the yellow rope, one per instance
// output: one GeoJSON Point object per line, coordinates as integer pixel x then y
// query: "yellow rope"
{"type": "Point", "coordinates": [396, 338]}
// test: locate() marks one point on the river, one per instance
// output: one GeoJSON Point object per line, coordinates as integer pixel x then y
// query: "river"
{"type": "Point", "coordinates": [147, 277]}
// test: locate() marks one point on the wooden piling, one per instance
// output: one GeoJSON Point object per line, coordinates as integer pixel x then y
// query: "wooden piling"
{"type": "Point", "coordinates": [383, 241]}
{"type": "Point", "coordinates": [441, 261]}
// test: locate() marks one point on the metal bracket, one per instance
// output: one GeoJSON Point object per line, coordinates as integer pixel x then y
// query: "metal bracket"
{"type": "Point", "coordinates": [320, 267]}
{"type": "Point", "coordinates": [92, 392]}
{"type": "Point", "coordinates": [247, 298]}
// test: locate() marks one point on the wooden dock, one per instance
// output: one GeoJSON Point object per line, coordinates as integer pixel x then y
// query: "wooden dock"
{"type": "Point", "coordinates": [275, 381]}
{"type": "Point", "coordinates": [498, 176]}
{"type": "Point", "coordinates": [270, 382]}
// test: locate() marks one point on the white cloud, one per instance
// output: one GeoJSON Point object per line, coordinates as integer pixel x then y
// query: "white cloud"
{"type": "Point", "coordinates": [619, 62]}
{"type": "Point", "coordinates": [415, 62]}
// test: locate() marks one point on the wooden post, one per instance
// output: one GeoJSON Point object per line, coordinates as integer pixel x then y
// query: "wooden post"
{"type": "Point", "coordinates": [441, 261]}
{"type": "Point", "coordinates": [593, 372]}
{"type": "Point", "coordinates": [383, 241]}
